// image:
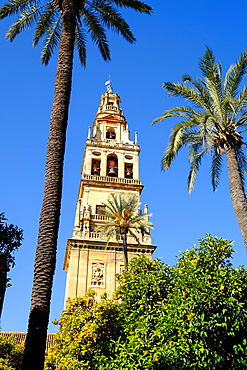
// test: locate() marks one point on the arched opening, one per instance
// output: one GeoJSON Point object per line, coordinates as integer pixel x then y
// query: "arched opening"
{"type": "Point", "coordinates": [100, 209]}
{"type": "Point", "coordinates": [95, 169]}
{"type": "Point", "coordinates": [112, 166]}
{"type": "Point", "coordinates": [128, 170]}
{"type": "Point", "coordinates": [110, 133]}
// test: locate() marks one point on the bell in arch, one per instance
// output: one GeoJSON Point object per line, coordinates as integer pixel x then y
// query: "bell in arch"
{"type": "Point", "coordinates": [111, 172]}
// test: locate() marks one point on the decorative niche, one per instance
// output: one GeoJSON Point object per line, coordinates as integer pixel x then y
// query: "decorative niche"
{"type": "Point", "coordinates": [98, 274]}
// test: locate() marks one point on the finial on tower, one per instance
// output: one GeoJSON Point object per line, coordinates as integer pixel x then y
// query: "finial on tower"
{"type": "Point", "coordinates": [108, 85]}
{"type": "Point", "coordinates": [136, 138]}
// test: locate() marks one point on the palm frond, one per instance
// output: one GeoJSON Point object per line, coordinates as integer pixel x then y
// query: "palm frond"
{"type": "Point", "coordinates": [210, 69]}
{"type": "Point", "coordinates": [47, 18]}
{"type": "Point", "coordinates": [216, 167]}
{"type": "Point", "coordinates": [235, 75]}
{"type": "Point", "coordinates": [80, 41]}
{"type": "Point", "coordinates": [112, 19]}
{"type": "Point", "coordinates": [122, 211]}
{"type": "Point", "coordinates": [242, 162]}
{"type": "Point", "coordinates": [241, 121]}
{"type": "Point", "coordinates": [27, 18]}
{"type": "Point", "coordinates": [97, 31]}
{"type": "Point", "coordinates": [216, 95]}
{"type": "Point", "coordinates": [201, 87]}
{"type": "Point", "coordinates": [176, 112]}
{"type": "Point", "coordinates": [133, 4]}
{"type": "Point", "coordinates": [186, 92]}
{"type": "Point", "coordinates": [179, 137]}
{"type": "Point", "coordinates": [15, 6]}
{"type": "Point", "coordinates": [218, 117]}
{"type": "Point", "coordinates": [194, 168]}
{"type": "Point", "coordinates": [51, 41]}
{"type": "Point", "coordinates": [213, 79]}
{"type": "Point", "coordinates": [241, 101]}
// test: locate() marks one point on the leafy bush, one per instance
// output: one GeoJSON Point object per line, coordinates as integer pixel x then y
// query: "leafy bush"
{"type": "Point", "coordinates": [10, 240]}
{"type": "Point", "coordinates": [10, 353]}
{"type": "Point", "coordinates": [86, 329]}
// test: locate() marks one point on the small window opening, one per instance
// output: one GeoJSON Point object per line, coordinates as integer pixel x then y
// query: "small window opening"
{"type": "Point", "coordinates": [95, 170]}
{"type": "Point", "coordinates": [110, 134]}
{"type": "Point", "coordinates": [112, 166]}
{"type": "Point", "coordinates": [100, 210]}
{"type": "Point", "coordinates": [128, 171]}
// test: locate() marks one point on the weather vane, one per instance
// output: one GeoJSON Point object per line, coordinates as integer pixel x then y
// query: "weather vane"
{"type": "Point", "coordinates": [108, 85]}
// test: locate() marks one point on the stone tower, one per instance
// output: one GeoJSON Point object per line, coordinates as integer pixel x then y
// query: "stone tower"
{"type": "Point", "coordinates": [110, 165]}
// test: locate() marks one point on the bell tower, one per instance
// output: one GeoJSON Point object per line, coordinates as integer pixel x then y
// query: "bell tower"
{"type": "Point", "coordinates": [110, 165]}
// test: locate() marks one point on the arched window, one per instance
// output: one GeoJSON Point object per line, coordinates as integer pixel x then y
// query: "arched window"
{"type": "Point", "coordinates": [95, 169]}
{"type": "Point", "coordinates": [128, 170]}
{"type": "Point", "coordinates": [100, 209]}
{"type": "Point", "coordinates": [110, 133]}
{"type": "Point", "coordinates": [112, 166]}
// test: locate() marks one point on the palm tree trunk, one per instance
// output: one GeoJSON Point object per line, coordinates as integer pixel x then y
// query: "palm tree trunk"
{"type": "Point", "coordinates": [45, 259]}
{"type": "Point", "coordinates": [123, 233]}
{"type": "Point", "coordinates": [237, 192]}
{"type": "Point", "coordinates": [3, 279]}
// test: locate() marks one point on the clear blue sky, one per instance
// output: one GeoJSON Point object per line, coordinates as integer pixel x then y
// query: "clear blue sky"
{"type": "Point", "coordinates": [169, 44]}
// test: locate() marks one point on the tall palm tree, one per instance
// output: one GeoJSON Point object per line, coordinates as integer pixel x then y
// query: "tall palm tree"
{"type": "Point", "coordinates": [213, 124]}
{"type": "Point", "coordinates": [64, 23]}
{"type": "Point", "coordinates": [124, 218]}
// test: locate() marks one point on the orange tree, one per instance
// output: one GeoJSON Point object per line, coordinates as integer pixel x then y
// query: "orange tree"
{"type": "Point", "coordinates": [86, 330]}
{"type": "Point", "coordinates": [191, 316]}
{"type": "Point", "coordinates": [10, 354]}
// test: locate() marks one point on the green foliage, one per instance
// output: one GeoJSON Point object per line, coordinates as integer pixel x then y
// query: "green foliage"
{"type": "Point", "coordinates": [10, 240]}
{"type": "Point", "coordinates": [207, 310]}
{"type": "Point", "coordinates": [10, 354]}
{"type": "Point", "coordinates": [124, 217]}
{"type": "Point", "coordinates": [213, 120]}
{"type": "Point", "coordinates": [91, 17]}
{"type": "Point", "coordinates": [142, 287]}
{"type": "Point", "coordinates": [190, 316]}
{"type": "Point", "coordinates": [143, 290]}
{"type": "Point", "coordinates": [86, 330]}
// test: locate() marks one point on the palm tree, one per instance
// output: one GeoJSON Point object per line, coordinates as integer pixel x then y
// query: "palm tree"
{"type": "Point", "coordinates": [213, 124]}
{"type": "Point", "coordinates": [124, 218]}
{"type": "Point", "coordinates": [63, 22]}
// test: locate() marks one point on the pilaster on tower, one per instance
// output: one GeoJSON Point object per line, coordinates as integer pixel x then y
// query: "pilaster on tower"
{"type": "Point", "coordinates": [110, 165]}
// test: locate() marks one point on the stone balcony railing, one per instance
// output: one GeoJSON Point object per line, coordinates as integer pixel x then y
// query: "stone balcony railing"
{"type": "Point", "coordinates": [99, 217]}
{"type": "Point", "coordinates": [111, 107]}
{"type": "Point", "coordinates": [109, 179]}
{"type": "Point", "coordinates": [88, 235]}
{"type": "Point", "coordinates": [112, 144]}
